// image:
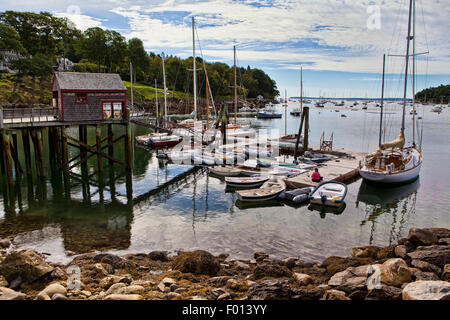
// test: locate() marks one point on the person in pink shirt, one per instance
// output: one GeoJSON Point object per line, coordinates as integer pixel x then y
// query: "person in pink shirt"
{"type": "Point", "coordinates": [315, 177]}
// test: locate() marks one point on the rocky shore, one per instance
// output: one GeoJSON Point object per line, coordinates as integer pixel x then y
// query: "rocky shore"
{"type": "Point", "coordinates": [417, 268]}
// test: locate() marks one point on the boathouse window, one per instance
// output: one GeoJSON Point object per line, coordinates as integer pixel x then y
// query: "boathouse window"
{"type": "Point", "coordinates": [112, 110]}
{"type": "Point", "coordinates": [81, 98]}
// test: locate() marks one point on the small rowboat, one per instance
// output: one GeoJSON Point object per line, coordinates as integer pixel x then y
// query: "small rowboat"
{"type": "Point", "coordinates": [247, 182]}
{"type": "Point", "coordinates": [225, 171]}
{"type": "Point", "coordinates": [269, 190]}
{"type": "Point", "coordinates": [329, 193]}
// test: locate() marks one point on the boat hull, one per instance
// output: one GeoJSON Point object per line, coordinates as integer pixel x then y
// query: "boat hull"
{"type": "Point", "coordinates": [261, 115]}
{"type": "Point", "coordinates": [395, 178]}
{"type": "Point", "coordinates": [259, 198]}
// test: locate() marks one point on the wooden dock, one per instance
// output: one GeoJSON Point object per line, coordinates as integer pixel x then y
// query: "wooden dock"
{"type": "Point", "coordinates": [343, 169]}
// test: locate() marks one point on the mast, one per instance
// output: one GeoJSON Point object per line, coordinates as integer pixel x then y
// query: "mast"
{"type": "Point", "coordinates": [131, 82]}
{"type": "Point", "coordinates": [165, 89]}
{"type": "Point", "coordinates": [195, 69]}
{"type": "Point", "coordinates": [406, 68]}
{"type": "Point", "coordinates": [285, 111]}
{"type": "Point", "coordinates": [207, 101]}
{"type": "Point", "coordinates": [382, 100]}
{"type": "Point", "coordinates": [414, 74]}
{"type": "Point", "coordinates": [301, 89]}
{"type": "Point", "coordinates": [156, 102]}
{"type": "Point", "coordinates": [235, 88]}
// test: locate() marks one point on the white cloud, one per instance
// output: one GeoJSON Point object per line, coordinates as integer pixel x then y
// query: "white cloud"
{"type": "Point", "coordinates": [339, 27]}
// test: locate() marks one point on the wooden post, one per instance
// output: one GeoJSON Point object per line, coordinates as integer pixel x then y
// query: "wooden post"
{"type": "Point", "coordinates": [6, 138]}
{"type": "Point", "coordinates": [36, 135]}
{"type": "Point", "coordinates": [98, 139]}
{"type": "Point", "coordinates": [65, 162]}
{"type": "Point", "coordinates": [128, 155]}
{"type": "Point", "coordinates": [110, 144]}
{"type": "Point", "coordinates": [299, 134]}
{"type": "Point", "coordinates": [58, 147]}
{"type": "Point", "coordinates": [27, 152]}
{"type": "Point", "coordinates": [15, 154]}
{"type": "Point", "coordinates": [82, 133]}
{"type": "Point", "coordinates": [305, 136]}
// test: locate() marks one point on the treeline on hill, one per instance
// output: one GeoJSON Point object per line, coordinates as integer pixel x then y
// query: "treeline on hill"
{"type": "Point", "coordinates": [40, 39]}
{"type": "Point", "coordinates": [434, 95]}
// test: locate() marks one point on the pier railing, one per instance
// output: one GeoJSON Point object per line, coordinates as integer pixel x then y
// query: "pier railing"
{"type": "Point", "coordinates": [27, 115]}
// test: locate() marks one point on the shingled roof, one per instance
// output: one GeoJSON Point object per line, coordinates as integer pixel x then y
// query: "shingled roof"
{"type": "Point", "coordinates": [88, 81]}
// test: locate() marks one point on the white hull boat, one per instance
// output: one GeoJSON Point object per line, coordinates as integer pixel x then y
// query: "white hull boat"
{"type": "Point", "coordinates": [329, 193]}
{"type": "Point", "coordinates": [247, 182]}
{"type": "Point", "coordinates": [225, 171]}
{"type": "Point", "coordinates": [269, 190]}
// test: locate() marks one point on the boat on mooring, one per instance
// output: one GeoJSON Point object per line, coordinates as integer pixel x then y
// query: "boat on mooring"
{"type": "Point", "coordinates": [269, 190]}
{"type": "Point", "coordinates": [268, 114]}
{"type": "Point", "coordinates": [246, 182]}
{"type": "Point", "coordinates": [329, 193]}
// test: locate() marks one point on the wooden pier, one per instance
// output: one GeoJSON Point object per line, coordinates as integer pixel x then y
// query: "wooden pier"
{"type": "Point", "coordinates": [345, 168]}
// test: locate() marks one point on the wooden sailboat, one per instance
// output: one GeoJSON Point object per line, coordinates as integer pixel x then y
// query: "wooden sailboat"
{"type": "Point", "coordinates": [393, 163]}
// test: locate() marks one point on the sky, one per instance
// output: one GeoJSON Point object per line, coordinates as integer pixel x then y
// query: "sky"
{"type": "Point", "coordinates": [339, 44]}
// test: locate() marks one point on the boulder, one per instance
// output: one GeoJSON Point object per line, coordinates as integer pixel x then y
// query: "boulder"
{"type": "Point", "coordinates": [365, 252]}
{"type": "Point", "coordinates": [116, 288]}
{"type": "Point", "coordinates": [425, 276]}
{"type": "Point", "coordinates": [115, 261]}
{"type": "Point", "coordinates": [158, 256]}
{"type": "Point", "coordinates": [168, 281]}
{"type": "Point", "coordinates": [439, 232]}
{"type": "Point", "coordinates": [54, 288]}
{"type": "Point", "coordinates": [438, 255]}
{"type": "Point", "coordinates": [303, 279]}
{"type": "Point", "coordinates": [427, 290]}
{"type": "Point", "coordinates": [260, 256]}
{"type": "Point", "coordinates": [351, 279]}
{"type": "Point", "coordinates": [196, 262]}
{"type": "Point", "coordinates": [401, 251]}
{"type": "Point", "coordinates": [446, 273]}
{"type": "Point", "coordinates": [269, 290]}
{"type": "Point", "coordinates": [425, 266]}
{"type": "Point", "coordinates": [26, 264]}
{"type": "Point", "coordinates": [42, 296]}
{"type": "Point", "coordinates": [335, 264]}
{"type": "Point", "coordinates": [444, 241]}
{"type": "Point", "coordinates": [384, 292]}
{"type": "Point", "coordinates": [219, 281]}
{"type": "Point", "coordinates": [236, 285]}
{"type": "Point", "coordinates": [335, 295]}
{"type": "Point", "coordinates": [422, 237]}
{"type": "Point", "coordinates": [271, 270]}
{"type": "Point", "coordinates": [3, 282]}
{"type": "Point", "coordinates": [100, 269]}
{"type": "Point", "coordinates": [10, 294]}
{"type": "Point", "coordinates": [241, 265]}
{"type": "Point", "coordinates": [59, 296]}
{"type": "Point", "coordinates": [173, 296]}
{"type": "Point", "coordinates": [386, 253]}
{"type": "Point", "coordinates": [394, 272]}
{"type": "Point", "coordinates": [305, 294]}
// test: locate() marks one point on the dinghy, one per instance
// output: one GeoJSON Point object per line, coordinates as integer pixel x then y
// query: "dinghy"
{"type": "Point", "coordinates": [246, 182]}
{"type": "Point", "coordinates": [297, 195]}
{"type": "Point", "coordinates": [329, 193]}
{"type": "Point", "coordinates": [225, 171]}
{"type": "Point", "coordinates": [269, 190]}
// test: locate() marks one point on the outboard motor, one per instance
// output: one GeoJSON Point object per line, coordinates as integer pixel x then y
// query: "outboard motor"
{"type": "Point", "coordinates": [323, 198]}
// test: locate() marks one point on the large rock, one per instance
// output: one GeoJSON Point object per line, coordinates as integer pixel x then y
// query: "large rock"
{"type": "Point", "coordinates": [3, 282]}
{"type": "Point", "coordinates": [54, 288]}
{"type": "Point", "coordinates": [26, 264]}
{"type": "Point", "coordinates": [437, 255]}
{"type": "Point", "coordinates": [425, 266]}
{"type": "Point", "coordinates": [269, 290]}
{"type": "Point", "coordinates": [439, 232]}
{"type": "Point", "coordinates": [335, 264]}
{"type": "Point", "coordinates": [305, 294]}
{"type": "Point", "coordinates": [422, 237]}
{"type": "Point", "coordinates": [271, 270]}
{"type": "Point", "coordinates": [395, 272]}
{"type": "Point", "coordinates": [124, 297]}
{"type": "Point", "coordinates": [10, 294]}
{"type": "Point", "coordinates": [427, 290]}
{"type": "Point", "coordinates": [158, 256]}
{"type": "Point", "coordinates": [384, 292]}
{"type": "Point", "coordinates": [4, 243]}
{"type": "Point", "coordinates": [303, 279]}
{"type": "Point", "coordinates": [335, 295]}
{"type": "Point", "coordinates": [351, 279]}
{"type": "Point", "coordinates": [446, 273]}
{"type": "Point", "coordinates": [365, 252]}
{"type": "Point", "coordinates": [196, 262]}
{"type": "Point", "coordinates": [386, 253]}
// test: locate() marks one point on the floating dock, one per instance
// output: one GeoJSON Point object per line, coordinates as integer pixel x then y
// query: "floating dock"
{"type": "Point", "coordinates": [343, 169]}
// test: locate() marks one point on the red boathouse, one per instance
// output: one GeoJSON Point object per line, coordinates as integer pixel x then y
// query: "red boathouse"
{"type": "Point", "coordinates": [89, 96]}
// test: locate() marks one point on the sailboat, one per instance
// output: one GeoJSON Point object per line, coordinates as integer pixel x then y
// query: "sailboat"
{"type": "Point", "coordinates": [393, 163]}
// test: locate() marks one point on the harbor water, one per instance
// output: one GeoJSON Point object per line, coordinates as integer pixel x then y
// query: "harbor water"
{"type": "Point", "coordinates": [179, 207]}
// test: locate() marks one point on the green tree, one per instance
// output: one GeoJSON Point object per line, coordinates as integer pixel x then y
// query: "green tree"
{"type": "Point", "coordinates": [93, 46]}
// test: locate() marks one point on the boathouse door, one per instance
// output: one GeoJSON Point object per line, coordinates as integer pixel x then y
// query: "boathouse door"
{"type": "Point", "coordinates": [112, 110]}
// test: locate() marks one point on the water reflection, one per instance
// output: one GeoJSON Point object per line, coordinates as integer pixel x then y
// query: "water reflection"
{"type": "Point", "coordinates": [398, 203]}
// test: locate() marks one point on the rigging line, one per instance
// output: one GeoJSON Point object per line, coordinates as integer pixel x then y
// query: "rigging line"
{"type": "Point", "coordinates": [206, 73]}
